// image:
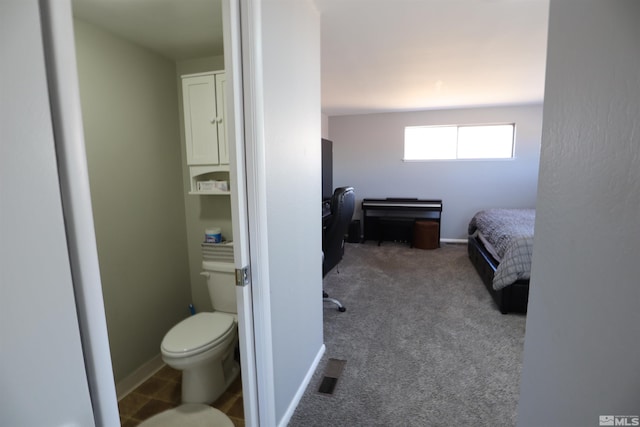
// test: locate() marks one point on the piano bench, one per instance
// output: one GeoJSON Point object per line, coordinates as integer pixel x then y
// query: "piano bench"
{"type": "Point", "coordinates": [425, 235]}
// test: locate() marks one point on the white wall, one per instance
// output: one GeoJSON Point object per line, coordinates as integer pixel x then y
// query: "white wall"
{"type": "Point", "coordinates": [42, 370]}
{"type": "Point", "coordinates": [291, 67]}
{"type": "Point", "coordinates": [368, 151]}
{"type": "Point", "coordinates": [130, 114]}
{"type": "Point", "coordinates": [582, 344]}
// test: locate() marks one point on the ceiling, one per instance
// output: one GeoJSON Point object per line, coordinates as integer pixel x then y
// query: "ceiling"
{"type": "Point", "coordinates": [377, 55]}
{"type": "Point", "coordinates": [176, 29]}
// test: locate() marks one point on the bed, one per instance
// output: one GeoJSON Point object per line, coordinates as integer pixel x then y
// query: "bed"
{"type": "Point", "coordinates": [500, 248]}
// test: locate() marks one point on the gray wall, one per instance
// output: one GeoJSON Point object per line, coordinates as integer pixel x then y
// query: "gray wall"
{"type": "Point", "coordinates": [292, 126]}
{"type": "Point", "coordinates": [42, 369]}
{"type": "Point", "coordinates": [325, 126]}
{"type": "Point", "coordinates": [582, 344]}
{"type": "Point", "coordinates": [130, 113]}
{"type": "Point", "coordinates": [368, 151]}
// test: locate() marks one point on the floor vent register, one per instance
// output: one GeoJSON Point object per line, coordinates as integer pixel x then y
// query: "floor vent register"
{"type": "Point", "coordinates": [332, 372]}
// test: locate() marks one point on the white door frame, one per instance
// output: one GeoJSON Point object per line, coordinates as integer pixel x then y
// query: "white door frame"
{"type": "Point", "coordinates": [241, 19]}
{"type": "Point", "coordinates": [64, 92]}
{"type": "Point", "coordinates": [244, 67]}
{"type": "Point", "coordinates": [248, 205]}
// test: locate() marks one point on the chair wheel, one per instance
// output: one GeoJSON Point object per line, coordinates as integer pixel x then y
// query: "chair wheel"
{"type": "Point", "coordinates": [342, 309]}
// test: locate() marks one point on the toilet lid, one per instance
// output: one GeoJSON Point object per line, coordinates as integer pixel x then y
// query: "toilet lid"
{"type": "Point", "coordinates": [197, 332]}
{"type": "Point", "coordinates": [189, 415]}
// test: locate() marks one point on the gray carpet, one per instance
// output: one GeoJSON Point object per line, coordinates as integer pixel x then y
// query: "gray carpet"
{"type": "Point", "coordinates": [423, 342]}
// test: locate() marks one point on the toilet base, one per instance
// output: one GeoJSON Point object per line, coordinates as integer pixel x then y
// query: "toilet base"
{"type": "Point", "coordinates": [206, 382]}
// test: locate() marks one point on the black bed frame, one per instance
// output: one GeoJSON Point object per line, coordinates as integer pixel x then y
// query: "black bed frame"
{"type": "Point", "coordinates": [513, 298]}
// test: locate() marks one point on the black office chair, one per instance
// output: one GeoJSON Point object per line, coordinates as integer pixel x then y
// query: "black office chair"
{"type": "Point", "coordinates": [343, 204]}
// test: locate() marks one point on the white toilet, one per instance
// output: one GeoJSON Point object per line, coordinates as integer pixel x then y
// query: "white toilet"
{"type": "Point", "coordinates": [202, 346]}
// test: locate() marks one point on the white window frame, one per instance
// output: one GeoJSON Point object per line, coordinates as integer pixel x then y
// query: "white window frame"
{"type": "Point", "coordinates": [445, 143]}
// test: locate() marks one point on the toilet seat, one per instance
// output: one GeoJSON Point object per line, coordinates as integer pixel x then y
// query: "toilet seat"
{"type": "Point", "coordinates": [189, 415]}
{"type": "Point", "coordinates": [197, 334]}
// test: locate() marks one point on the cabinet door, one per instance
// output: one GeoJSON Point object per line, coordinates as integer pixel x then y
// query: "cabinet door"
{"type": "Point", "coordinates": [200, 120]}
{"type": "Point", "coordinates": [221, 108]}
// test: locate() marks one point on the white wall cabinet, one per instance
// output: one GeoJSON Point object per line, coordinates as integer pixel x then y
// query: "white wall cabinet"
{"type": "Point", "coordinates": [203, 97]}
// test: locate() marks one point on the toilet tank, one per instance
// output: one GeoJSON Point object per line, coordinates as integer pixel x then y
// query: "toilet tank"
{"type": "Point", "coordinates": [221, 282]}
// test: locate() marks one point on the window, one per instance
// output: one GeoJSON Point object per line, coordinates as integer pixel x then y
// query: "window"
{"type": "Point", "coordinates": [458, 142]}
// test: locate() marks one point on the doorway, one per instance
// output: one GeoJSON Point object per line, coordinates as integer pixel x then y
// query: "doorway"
{"type": "Point", "coordinates": [148, 229]}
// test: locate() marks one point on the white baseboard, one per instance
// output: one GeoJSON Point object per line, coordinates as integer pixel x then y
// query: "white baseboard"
{"type": "Point", "coordinates": [303, 386]}
{"type": "Point", "coordinates": [455, 241]}
{"type": "Point", "coordinates": [137, 377]}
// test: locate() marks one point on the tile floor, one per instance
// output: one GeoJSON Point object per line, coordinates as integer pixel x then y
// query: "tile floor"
{"type": "Point", "coordinates": [162, 391]}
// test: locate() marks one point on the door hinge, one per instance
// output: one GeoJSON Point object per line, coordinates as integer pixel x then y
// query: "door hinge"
{"type": "Point", "coordinates": [242, 276]}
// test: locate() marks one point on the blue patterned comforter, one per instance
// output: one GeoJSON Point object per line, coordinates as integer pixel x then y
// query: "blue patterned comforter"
{"type": "Point", "coordinates": [510, 232]}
